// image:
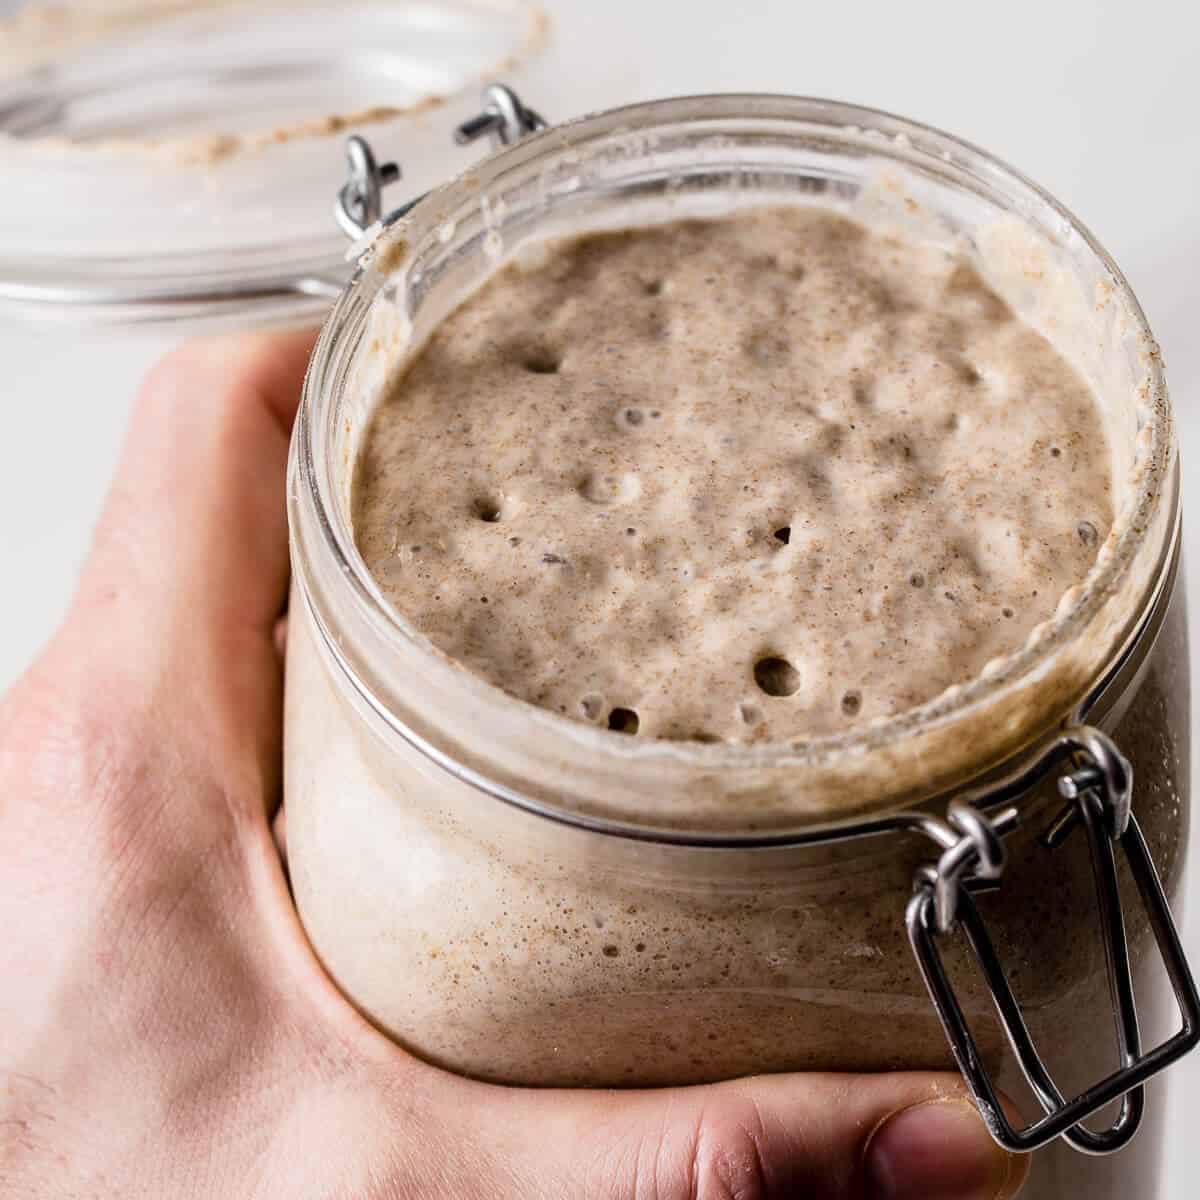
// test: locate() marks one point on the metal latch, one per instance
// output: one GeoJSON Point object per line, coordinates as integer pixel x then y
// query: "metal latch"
{"type": "Point", "coordinates": [1098, 789]}
{"type": "Point", "coordinates": [359, 204]}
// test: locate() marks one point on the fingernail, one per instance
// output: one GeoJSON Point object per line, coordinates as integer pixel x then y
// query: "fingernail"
{"type": "Point", "coordinates": [938, 1150]}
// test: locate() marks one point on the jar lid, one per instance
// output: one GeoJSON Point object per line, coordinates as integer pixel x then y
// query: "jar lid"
{"type": "Point", "coordinates": [175, 159]}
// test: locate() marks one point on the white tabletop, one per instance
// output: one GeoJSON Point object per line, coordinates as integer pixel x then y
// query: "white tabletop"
{"type": "Point", "coordinates": [1097, 101]}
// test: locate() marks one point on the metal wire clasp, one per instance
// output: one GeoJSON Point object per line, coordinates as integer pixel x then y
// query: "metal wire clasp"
{"type": "Point", "coordinates": [1098, 788]}
{"type": "Point", "coordinates": [505, 119]}
{"type": "Point", "coordinates": [359, 203]}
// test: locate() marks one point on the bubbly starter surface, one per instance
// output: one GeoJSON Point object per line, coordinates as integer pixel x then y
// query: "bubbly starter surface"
{"type": "Point", "coordinates": [756, 478]}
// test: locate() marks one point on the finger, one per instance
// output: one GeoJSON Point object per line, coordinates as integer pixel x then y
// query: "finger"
{"type": "Point", "coordinates": [836, 1137]}
{"type": "Point", "coordinates": [189, 566]}
{"type": "Point", "coordinates": [195, 521]}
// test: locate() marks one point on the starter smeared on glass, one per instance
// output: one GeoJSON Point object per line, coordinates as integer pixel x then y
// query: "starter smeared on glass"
{"type": "Point", "coordinates": [756, 478]}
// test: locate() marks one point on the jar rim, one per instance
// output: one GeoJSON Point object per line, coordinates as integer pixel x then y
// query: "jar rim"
{"type": "Point", "coordinates": [1110, 571]}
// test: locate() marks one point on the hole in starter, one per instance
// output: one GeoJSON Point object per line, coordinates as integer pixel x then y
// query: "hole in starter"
{"type": "Point", "coordinates": [776, 676]}
{"type": "Point", "coordinates": [852, 703]}
{"type": "Point", "coordinates": [784, 535]}
{"type": "Point", "coordinates": [487, 510]}
{"type": "Point", "coordinates": [623, 720]}
{"type": "Point", "coordinates": [863, 391]}
{"type": "Point", "coordinates": [541, 361]}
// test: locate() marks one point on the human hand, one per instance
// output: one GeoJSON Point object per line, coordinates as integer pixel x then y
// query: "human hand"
{"type": "Point", "coordinates": [165, 1030]}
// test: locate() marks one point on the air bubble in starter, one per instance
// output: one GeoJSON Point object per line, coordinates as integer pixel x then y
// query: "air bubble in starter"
{"type": "Point", "coordinates": [776, 676]}
{"type": "Point", "coordinates": [610, 489]}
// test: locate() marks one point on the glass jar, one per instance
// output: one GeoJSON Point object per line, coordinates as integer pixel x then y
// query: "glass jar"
{"type": "Point", "coordinates": [523, 898]}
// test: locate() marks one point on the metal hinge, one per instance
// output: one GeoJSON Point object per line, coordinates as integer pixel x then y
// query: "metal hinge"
{"type": "Point", "coordinates": [504, 119]}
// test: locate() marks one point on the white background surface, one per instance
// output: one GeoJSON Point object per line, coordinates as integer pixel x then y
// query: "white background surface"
{"type": "Point", "coordinates": [1098, 102]}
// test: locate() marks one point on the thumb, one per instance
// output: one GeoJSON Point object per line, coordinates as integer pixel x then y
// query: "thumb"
{"type": "Point", "coordinates": [193, 540]}
{"type": "Point", "coordinates": [819, 1137]}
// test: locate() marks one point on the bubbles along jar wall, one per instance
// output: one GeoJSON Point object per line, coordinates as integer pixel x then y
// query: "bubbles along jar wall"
{"type": "Point", "coordinates": [523, 898]}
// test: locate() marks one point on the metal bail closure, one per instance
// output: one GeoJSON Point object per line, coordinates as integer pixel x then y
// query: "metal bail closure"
{"type": "Point", "coordinates": [1098, 788]}
{"type": "Point", "coordinates": [504, 119]}
{"type": "Point", "coordinates": [359, 203]}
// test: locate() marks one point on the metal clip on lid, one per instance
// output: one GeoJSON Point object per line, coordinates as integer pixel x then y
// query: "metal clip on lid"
{"type": "Point", "coordinates": [504, 118]}
{"type": "Point", "coordinates": [1098, 790]}
{"type": "Point", "coordinates": [359, 203]}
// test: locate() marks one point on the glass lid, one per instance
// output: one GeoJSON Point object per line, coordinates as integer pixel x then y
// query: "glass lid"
{"type": "Point", "coordinates": [175, 159]}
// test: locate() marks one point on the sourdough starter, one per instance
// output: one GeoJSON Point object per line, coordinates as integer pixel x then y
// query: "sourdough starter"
{"type": "Point", "coordinates": [740, 480]}
{"type": "Point", "coordinates": [743, 479]}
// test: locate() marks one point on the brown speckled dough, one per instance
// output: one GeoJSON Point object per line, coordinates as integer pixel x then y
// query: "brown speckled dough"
{"type": "Point", "coordinates": [748, 479]}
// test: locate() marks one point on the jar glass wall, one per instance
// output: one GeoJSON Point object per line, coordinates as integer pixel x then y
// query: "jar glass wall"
{"type": "Point", "coordinates": [521, 898]}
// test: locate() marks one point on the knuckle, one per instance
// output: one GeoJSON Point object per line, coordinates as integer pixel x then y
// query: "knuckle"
{"type": "Point", "coordinates": [728, 1153]}
{"type": "Point", "coordinates": [44, 736]}
{"type": "Point", "coordinates": [80, 763]}
{"type": "Point", "coordinates": [65, 745]}
{"type": "Point", "coordinates": [113, 838]}
{"type": "Point", "coordinates": [716, 1152]}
